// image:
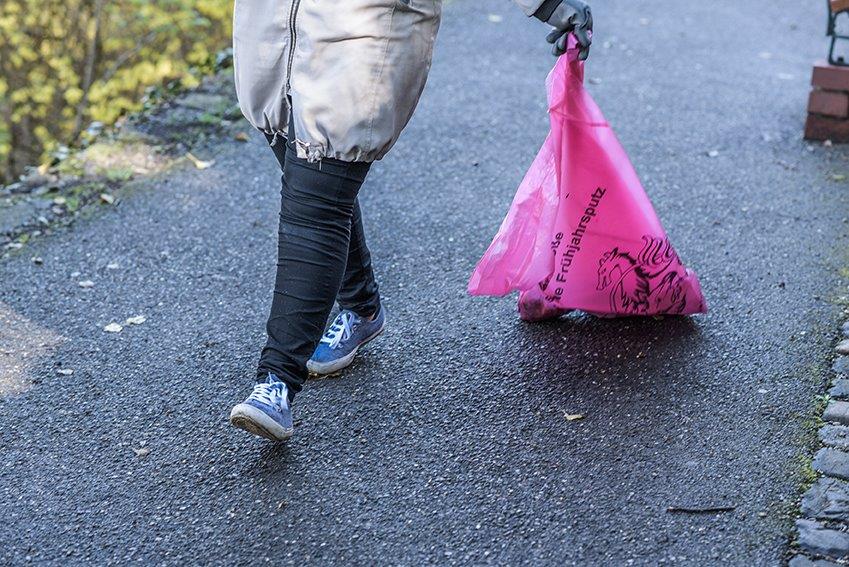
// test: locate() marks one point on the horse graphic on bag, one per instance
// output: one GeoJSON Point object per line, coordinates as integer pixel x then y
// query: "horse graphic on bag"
{"type": "Point", "coordinates": [654, 282]}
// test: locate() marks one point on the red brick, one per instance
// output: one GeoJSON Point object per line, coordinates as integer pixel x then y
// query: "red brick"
{"type": "Point", "coordinates": [830, 103]}
{"type": "Point", "coordinates": [820, 127]}
{"type": "Point", "coordinates": [830, 77]}
{"type": "Point", "coordinates": [838, 5]}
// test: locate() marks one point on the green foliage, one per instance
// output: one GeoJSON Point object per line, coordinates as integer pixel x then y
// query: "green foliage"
{"type": "Point", "coordinates": [807, 475]}
{"type": "Point", "coordinates": [66, 64]}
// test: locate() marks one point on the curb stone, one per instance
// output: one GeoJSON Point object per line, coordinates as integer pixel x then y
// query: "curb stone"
{"type": "Point", "coordinates": [827, 499]}
{"type": "Point", "coordinates": [837, 412]}
{"type": "Point", "coordinates": [802, 561]}
{"type": "Point", "coordinates": [836, 436]}
{"type": "Point", "coordinates": [840, 388]}
{"type": "Point", "coordinates": [817, 539]}
{"type": "Point", "coordinates": [832, 462]}
{"type": "Point", "coordinates": [823, 525]}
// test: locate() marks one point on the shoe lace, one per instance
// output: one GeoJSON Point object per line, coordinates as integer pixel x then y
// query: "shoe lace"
{"type": "Point", "coordinates": [270, 393]}
{"type": "Point", "coordinates": [340, 330]}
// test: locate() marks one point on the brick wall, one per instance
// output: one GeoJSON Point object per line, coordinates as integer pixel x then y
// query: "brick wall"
{"type": "Point", "coordinates": [828, 104]}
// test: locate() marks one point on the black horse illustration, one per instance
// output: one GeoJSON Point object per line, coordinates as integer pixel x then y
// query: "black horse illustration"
{"type": "Point", "coordinates": [651, 283]}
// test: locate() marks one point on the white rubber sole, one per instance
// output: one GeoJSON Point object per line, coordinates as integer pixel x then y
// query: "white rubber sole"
{"type": "Point", "coordinates": [252, 420]}
{"type": "Point", "coordinates": [326, 368]}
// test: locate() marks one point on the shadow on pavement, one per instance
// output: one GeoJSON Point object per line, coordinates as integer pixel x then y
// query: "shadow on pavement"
{"type": "Point", "coordinates": [632, 354]}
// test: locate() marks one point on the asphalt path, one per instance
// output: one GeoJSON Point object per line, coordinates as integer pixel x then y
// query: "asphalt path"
{"type": "Point", "coordinates": [447, 441]}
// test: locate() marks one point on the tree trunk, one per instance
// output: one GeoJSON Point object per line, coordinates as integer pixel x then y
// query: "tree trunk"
{"type": "Point", "coordinates": [25, 147]}
{"type": "Point", "coordinates": [92, 51]}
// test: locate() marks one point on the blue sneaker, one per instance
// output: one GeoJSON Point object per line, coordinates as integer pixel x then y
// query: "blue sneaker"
{"type": "Point", "coordinates": [266, 412]}
{"type": "Point", "coordinates": [343, 339]}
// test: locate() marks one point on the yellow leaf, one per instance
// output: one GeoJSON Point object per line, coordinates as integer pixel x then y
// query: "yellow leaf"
{"type": "Point", "coordinates": [199, 163]}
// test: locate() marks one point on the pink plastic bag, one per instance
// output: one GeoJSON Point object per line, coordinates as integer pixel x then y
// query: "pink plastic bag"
{"type": "Point", "coordinates": [581, 232]}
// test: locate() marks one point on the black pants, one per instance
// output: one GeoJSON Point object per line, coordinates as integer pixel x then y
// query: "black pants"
{"type": "Point", "coordinates": [321, 257]}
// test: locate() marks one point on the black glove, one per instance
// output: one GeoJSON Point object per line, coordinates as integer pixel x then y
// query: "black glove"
{"type": "Point", "coordinates": [567, 16]}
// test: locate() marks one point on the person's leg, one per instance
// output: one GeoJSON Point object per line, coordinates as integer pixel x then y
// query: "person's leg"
{"type": "Point", "coordinates": [361, 318]}
{"type": "Point", "coordinates": [359, 292]}
{"type": "Point", "coordinates": [318, 203]}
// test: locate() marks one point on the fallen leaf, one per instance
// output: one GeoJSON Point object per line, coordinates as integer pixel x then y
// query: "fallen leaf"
{"type": "Point", "coordinates": [136, 320]}
{"type": "Point", "coordinates": [241, 137]}
{"type": "Point", "coordinates": [573, 416]}
{"type": "Point", "coordinates": [141, 451]}
{"type": "Point", "coordinates": [86, 284]}
{"type": "Point", "coordinates": [199, 163]}
{"type": "Point", "coordinates": [107, 198]}
{"type": "Point", "coordinates": [113, 328]}
{"type": "Point", "coordinates": [65, 371]}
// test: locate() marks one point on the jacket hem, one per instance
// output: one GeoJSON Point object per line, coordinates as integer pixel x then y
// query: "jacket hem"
{"type": "Point", "coordinates": [315, 152]}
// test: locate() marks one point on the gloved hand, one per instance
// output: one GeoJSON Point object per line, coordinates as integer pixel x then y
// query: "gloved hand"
{"type": "Point", "coordinates": [569, 16]}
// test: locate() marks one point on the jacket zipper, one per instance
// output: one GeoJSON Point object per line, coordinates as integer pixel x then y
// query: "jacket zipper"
{"type": "Point", "coordinates": [293, 37]}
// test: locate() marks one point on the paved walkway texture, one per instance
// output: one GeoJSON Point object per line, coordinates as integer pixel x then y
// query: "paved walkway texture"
{"type": "Point", "coordinates": [447, 442]}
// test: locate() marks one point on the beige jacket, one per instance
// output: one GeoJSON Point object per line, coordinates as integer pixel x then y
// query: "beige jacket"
{"type": "Point", "coordinates": [353, 69]}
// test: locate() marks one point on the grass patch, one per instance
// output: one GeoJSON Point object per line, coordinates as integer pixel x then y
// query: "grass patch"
{"type": "Point", "coordinates": [806, 471]}
{"type": "Point", "coordinates": [72, 204]}
{"type": "Point", "coordinates": [117, 174]}
{"type": "Point", "coordinates": [803, 468]}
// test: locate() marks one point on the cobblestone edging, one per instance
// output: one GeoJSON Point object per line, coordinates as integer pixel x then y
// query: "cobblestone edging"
{"type": "Point", "coordinates": [823, 525]}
